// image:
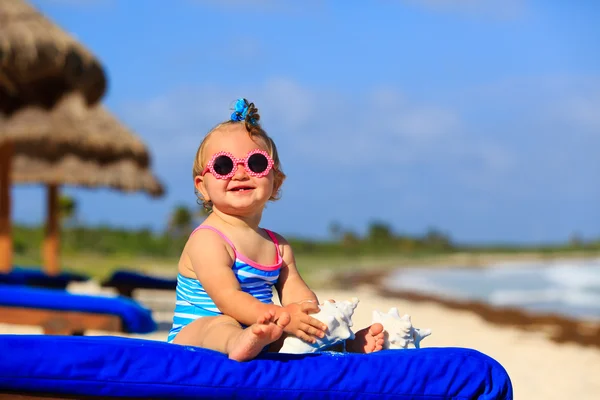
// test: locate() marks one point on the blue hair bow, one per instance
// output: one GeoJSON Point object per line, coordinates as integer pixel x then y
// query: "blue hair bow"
{"type": "Point", "coordinates": [241, 111]}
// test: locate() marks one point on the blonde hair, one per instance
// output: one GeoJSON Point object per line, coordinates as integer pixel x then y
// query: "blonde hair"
{"type": "Point", "coordinates": [255, 131]}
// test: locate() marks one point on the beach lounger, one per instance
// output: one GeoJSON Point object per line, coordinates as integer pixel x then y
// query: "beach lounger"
{"type": "Point", "coordinates": [87, 367]}
{"type": "Point", "coordinates": [125, 282]}
{"type": "Point", "coordinates": [29, 276]}
{"type": "Point", "coordinates": [60, 312]}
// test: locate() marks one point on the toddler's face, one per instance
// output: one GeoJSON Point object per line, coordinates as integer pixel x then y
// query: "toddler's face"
{"type": "Point", "coordinates": [241, 194]}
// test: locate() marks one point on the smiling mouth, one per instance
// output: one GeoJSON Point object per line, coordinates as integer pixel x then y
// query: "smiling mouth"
{"type": "Point", "coordinates": [241, 189]}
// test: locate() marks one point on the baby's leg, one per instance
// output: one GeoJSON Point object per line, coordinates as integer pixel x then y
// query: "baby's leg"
{"type": "Point", "coordinates": [224, 334]}
{"type": "Point", "coordinates": [367, 340]}
{"type": "Point", "coordinates": [252, 340]}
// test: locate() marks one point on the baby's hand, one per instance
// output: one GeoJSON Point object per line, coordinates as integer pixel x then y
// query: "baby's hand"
{"type": "Point", "coordinates": [303, 325]}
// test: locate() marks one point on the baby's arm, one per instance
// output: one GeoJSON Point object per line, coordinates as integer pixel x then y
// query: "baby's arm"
{"type": "Point", "coordinates": [297, 298]}
{"type": "Point", "coordinates": [290, 286]}
{"type": "Point", "coordinates": [212, 261]}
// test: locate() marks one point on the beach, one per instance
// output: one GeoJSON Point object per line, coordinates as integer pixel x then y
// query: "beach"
{"type": "Point", "coordinates": [539, 367]}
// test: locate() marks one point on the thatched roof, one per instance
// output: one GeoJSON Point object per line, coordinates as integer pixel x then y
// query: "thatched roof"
{"type": "Point", "coordinates": [124, 175]}
{"type": "Point", "coordinates": [39, 62]}
{"type": "Point", "coordinates": [77, 145]}
{"type": "Point", "coordinates": [72, 128]}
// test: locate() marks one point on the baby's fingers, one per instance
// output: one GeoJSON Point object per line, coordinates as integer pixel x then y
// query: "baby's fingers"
{"type": "Point", "coordinates": [312, 331]}
{"type": "Point", "coordinates": [315, 323]}
{"type": "Point", "coordinates": [305, 337]}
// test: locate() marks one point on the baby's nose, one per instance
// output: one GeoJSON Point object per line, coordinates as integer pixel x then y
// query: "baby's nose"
{"type": "Point", "coordinates": [240, 171]}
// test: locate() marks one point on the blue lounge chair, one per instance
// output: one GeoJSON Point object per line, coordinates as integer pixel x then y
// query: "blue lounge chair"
{"type": "Point", "coordinates": [29, 276]}
{"type": "Point", "coordinates": [89, 367]}
{"type": "Point", "coordinates": [125, 282]}
{"type": "Point", "coordinates": [60, 312]}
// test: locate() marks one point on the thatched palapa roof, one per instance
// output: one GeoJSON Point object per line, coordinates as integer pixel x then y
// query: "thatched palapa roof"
{"type": "Point", "coordinates": [123, 175]}
{"type": "Point", "coordinates": [72, 127]}
{"type": "Point", "coordinates": [39, 62]}
{"type": "Point", "coordinates": [77, 145]}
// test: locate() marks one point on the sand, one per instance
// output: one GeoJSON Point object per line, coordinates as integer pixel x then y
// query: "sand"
{"type": "Point", "coordinates": [539, 367]}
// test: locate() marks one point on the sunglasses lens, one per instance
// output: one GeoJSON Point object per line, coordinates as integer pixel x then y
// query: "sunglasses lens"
{"type": "Point", "coordinates": [223, 165]}
{"type": "Point", "coordinates": [258, 163]}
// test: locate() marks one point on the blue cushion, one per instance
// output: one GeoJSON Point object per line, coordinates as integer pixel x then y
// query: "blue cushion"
{"type": "Point", "coordinates": [139, 280]}
{"type": "Point", "coordinates": [36, 277]}
{"type": "Point", "coordinates": [127, 368]}
{"type": "Point", "coordinates": [135, 317]}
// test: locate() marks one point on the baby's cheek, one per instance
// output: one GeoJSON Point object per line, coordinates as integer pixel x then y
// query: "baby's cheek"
{"type": "Point", "coordinates": [216, 185]}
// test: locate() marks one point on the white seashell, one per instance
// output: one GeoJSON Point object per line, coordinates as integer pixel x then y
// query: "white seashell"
{"type": "Point", "coordinates": [337, 317]}
{"type": "Point", "coordinates": [399, 331]}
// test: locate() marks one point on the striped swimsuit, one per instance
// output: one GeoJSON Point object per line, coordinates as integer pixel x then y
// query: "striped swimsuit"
{"type": "Point", "coordinates": [193, 302]}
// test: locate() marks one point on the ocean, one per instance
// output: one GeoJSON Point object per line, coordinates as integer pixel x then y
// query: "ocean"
{"type": "Point", "coordinates": [565, 287]}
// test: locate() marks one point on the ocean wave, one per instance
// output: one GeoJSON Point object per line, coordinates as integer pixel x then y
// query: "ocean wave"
{"type": "Point", "coordinates": [570, 287]}
{"type": "Point", "coordinates": [554, 295]}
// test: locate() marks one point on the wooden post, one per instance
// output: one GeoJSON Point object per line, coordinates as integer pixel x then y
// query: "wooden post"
{"type": "Point", "coordinates": [6, 150]}
{"type": "Point", "coordinates": [51, 247]}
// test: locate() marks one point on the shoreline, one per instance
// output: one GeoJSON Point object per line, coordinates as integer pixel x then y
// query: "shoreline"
{"type": "Point", "coordinates": [476, 260]}
{"type": "Point", "coordinates": [321, 271]}
{"type": "Point", "coordinates": [558, 328]}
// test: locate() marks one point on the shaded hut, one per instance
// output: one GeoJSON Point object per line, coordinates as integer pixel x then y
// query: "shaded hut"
{"type": "Point", "coordinates": [75, 145]}
{"type": "Point", "coordinates": [39, 64]}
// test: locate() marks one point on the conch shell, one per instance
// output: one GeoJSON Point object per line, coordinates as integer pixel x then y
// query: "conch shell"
{"type": "Point", "coordinates": [399, 331]}
{"type": "Point", "coordinates": [337, 317]}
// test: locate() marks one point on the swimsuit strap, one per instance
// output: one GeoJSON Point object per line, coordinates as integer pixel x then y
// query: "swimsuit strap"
{"type": "Point", "coordinates": [274, 239]}
{"type": "Point", "coordinates": [225, 238]}
{"type": "Point", "coordinates": [218, 232]}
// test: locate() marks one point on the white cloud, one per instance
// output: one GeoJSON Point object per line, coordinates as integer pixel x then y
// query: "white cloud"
{"type": "Point", "coordinates": [549, 126]}
{"type": "Point", "coordinates": [79, 3]}
{"type": "Point", "coordinates": [517, 141]}
{"type": "Point", "coordinates": [263, 5]}
{"type": "Point", "coordinates": [324, 126]}
{"type": "Point", "coordinates": [238, 3]}
{"type": "Point", "coordinates": [547, 107]}
{"type": "Point", "coordinates": [583, 111]}
{"type": "Point", "coordinates": [500, 9]}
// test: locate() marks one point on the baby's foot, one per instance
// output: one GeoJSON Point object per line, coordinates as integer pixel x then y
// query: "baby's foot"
{"type": "Point", "coordinates": [253, 339]}
{"type": "Point", "coordinates": [367, 340]}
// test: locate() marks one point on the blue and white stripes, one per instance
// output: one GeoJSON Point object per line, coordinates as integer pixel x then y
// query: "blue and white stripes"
{"type": "Point", "coordinates": [193, 302]}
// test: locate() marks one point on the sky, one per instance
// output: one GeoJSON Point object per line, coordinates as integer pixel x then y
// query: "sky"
{"type": "Point", "coordinates": [478, 118]}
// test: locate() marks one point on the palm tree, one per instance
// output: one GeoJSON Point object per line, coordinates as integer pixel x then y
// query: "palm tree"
{"type": "Point", "coordinates": [67, 209]}
{"type": "Point", "coordinates": [335, 230]}
{"type": "Point", "coordinates": [380, 232]}
{"type": "Point", "coordinates": [181, 220]}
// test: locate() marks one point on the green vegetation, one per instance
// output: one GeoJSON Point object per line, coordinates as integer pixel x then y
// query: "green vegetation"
{"type": "Point", "coordinates": [99, 250]}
